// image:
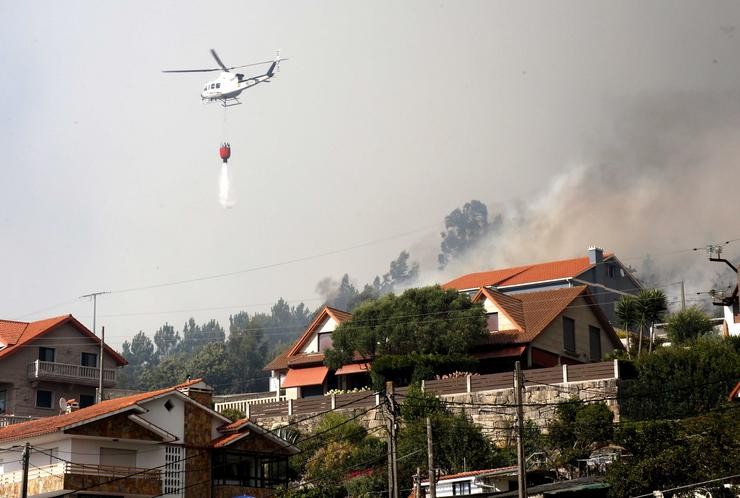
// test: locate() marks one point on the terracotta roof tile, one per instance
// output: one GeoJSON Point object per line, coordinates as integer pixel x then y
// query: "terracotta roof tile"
{"type": "Point", "coordinates": [16, 334]}
{"type": "Point", "coordinates": [48, 425]}
{"type": "Point", "coordinates": [539, 272]}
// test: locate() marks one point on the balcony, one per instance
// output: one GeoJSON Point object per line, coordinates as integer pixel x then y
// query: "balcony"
{"type": "Point", "coordinates": [65, 372]}
{"type": "Point", "coordinates": [65, 476]}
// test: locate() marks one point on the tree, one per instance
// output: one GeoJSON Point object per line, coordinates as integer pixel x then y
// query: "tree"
{"type": "Point", "coordinates": [458, 442]}
{"type": "Point", "coordinates": [464, 228]}
{"type": "Point", "coordinates": [195, 336]}
{"type": "Point", "coordinates": [139, 351]}
{"type": "Point", "coordinates": [627, 316]}
{"type": "Point", "coordinates": [651, 307]}
{"type": "Point", "coordinates": [411, 337]}
{"type": "Point", "coordinates": [667, 454]}
{"type": "Point", "coordinates": [688, 325]}
{"type": "Point", "coordinates": [167, 341]}
{"type": "Point", "coordinates": [579, 428]}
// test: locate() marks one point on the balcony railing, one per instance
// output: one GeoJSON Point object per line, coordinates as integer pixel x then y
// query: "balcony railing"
{"type": "Point", "coordinates": [6, 420]}
{"type": "Point", "coordinates": [64, 468]}
{"type": "Point", "coordinates": [49, 370]}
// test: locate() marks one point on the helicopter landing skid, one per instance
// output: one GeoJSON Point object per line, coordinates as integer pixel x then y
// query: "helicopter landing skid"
{"type": "Point", "coordinates": [230, 102]}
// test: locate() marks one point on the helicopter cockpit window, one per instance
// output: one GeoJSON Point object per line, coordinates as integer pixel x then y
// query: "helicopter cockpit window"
{"type": "Point", "coordinates": [218, 85]}
{"type": "Point", "coordinates": [205, 88]}
{"type": "Point", "coordinates": [213, 86]}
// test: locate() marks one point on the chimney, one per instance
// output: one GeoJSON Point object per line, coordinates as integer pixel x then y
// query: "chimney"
{"type": "Point", "coordinates": [595, 255]}
{"type": "Point", "coordinates": [201, 393]}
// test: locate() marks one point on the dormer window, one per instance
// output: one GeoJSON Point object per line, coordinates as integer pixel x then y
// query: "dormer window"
{"type": "Point", "coordinates": [492, 322]}
{"type": "Point", "coordinates": [325, 341]}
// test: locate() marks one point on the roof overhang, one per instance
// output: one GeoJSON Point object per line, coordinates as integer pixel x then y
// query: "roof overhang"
{"type": "Point", "coordinates": [353, 368]}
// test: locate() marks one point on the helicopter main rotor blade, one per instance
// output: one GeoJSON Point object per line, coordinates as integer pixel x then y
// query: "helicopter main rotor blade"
{"type": "Point", "coordinates": [252, 64]}
{"type": "Point", "coordinates": [215, 56]}
{"type": "Point", "coordinates": [191, 70]}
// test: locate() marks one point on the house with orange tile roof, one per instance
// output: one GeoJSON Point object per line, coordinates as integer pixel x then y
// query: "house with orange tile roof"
{"type": "Point", "coordinates": [45, 360]}
{"type": "Point", "coordinates": [543, 329]}
{"type": "Point", "coordinates": [605, 275]}
{"type": "Point", "coordinates": [300, 369]}
{"type": "Point", "coordinates": [167, 441]}
{"type": "Point", "coordinates": [473, 482]}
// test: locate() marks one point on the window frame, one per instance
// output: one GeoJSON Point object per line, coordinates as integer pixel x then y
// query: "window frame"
{"type": "Point", "coordinates": [51, 399]}
{"type": "Point", "coordinates": [85, 404]}
{"type": "Point", "coordinates": [44, 349]}
{"type": "Point", "coordinates": [569, 335]}
{"type": "Point", "coordinates": [82, 361]}
{"type": "Point", "coordinates": [3, 401]}
{"type": "Point", "coordinates": [461, 488]}
{"type": "Point", "coordinates": [594, 332]}
{"type": "Point", "coordinates": [493, 316]}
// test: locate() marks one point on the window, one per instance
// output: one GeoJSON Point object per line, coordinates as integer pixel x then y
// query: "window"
{"type": "Point", "coordinates": [249, 470]}
{"type": "Point", "coordinates": [213, 86]}
{"type": "Point", "coordinates": [569, 334]}
{"type": "Point", "coordinates": [43, 399]}
{"type": "Point", "coordinates": [325, 341]}
{"type": "Point", "coordinates": [169, 405]}
{"type": "Point", "coordinates": [594, 337]}
{"type": "Point", "coordinates": [3, 401]}
{"type": "Point", "coordinates": [218, 85]}
{"type": "Point", "coordinates": [46, 354]}
{"type": "Point", "coordinates": [89, 360]}
{"type": "Point", "coordinates": [492, 322]}
{"type": "Point", "coordinates": [611, 270]}
{"type": "Point", "coordinates": [86, 400]}
{"type": "Point", "coordinates": [460, 488]}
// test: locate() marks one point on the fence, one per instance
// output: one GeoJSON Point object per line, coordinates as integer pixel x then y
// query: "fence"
{"type": "Point", "coordinates": [459, 385]}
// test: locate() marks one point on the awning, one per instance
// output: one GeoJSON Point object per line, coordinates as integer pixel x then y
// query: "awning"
{"type": "Point", "coordinates": [353, 368]}
{"type": "Point", "coordinates": [298, 377]}
{"type": "Point", "coordinates": [507, 352]}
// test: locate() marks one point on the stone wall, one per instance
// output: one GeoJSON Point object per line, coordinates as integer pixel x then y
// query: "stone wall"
{"type": "Point", "coordinates": [494, 411]}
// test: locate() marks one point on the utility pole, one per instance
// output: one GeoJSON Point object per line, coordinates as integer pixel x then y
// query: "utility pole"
{"type": "Point", "coordinates": [417, 483]}
{"type": "Point", "coordinates": [102, 351]}
{"type": "Point", "coordinates": [520, 457]}
{"type": "Point", "coordinates": [430, 453]}
{"type": "Point", "coordinates": [94, 296]}
{"type": "Point", "coordinates": [683, 297]}
{"type": "Point", "coordinates": [392, 463]}
{"type": "Point", "coordinates": [25, 459]}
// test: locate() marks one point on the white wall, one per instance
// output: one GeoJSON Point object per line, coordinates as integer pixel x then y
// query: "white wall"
{"type": "Point", "coordinates": [503, 321]}
{"type": "Point", "coordinates": [734, 328]}
{"type": "Point", "coordinates": [312, 346]}
{"type": "Point", "coordinates": [173, 421]}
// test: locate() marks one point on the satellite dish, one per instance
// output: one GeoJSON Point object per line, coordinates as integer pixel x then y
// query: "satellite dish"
{"type": "Point", "coordinates": [62, 404]}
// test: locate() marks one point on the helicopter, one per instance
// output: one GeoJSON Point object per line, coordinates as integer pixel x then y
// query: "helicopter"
{"type": "Point", "coordinates": [228, 86]}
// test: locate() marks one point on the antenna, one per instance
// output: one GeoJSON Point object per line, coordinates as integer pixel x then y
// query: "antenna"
{"type": "Point", "coordinates": [63, 404]}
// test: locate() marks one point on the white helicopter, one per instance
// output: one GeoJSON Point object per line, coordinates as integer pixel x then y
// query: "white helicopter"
{"type": "Point", "coordinates": [227, 87]}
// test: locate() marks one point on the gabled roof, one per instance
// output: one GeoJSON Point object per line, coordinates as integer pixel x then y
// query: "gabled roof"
{"type": "Point", "coordinates": [538, 272]}
{"type": "Point", "coordinates": [292, 354]}
{"type": "Point", "coordinates": [48, 425]}
{"type": "Point", "coordinates": [14, 335]}
{"type": "Point", "coordinates": [241, 428]}
{"type": "Point", "coordinates": [537, 310]}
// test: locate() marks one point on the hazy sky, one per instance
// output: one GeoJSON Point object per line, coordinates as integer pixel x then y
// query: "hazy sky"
{"type": "Point", "coordinates": [616, 123]}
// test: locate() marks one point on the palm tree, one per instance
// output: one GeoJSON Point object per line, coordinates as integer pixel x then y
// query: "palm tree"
{"type": "Point", "coordinates": [651, 307]}
{"type": "Point", "coordinates": [626, 311]}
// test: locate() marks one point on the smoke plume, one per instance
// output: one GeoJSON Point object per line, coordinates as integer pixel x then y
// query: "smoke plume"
{"type": "Point", "coordinates": [662, 181]}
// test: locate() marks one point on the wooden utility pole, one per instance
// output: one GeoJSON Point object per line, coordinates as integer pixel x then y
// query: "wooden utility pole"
{"type": "Point", "coordinates": [417, 483]}
{"type": "Point", "coordinates": [25, 459]}
{"type": "Point", "coordinates": [520, 457]}
{"type": "Point", "coordinates": [100, 363]}
{"type": "Point", "coordinates": [392, 463]}
{"type": "Point", "coordinates": [430, 453]}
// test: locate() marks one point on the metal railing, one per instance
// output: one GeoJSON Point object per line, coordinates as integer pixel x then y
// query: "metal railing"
{"type": "Point", "coordinates": [63, 468]}
{"type": "Point", "coordinates": [39, 370]}
{"type": "Point", "coordinates": [6, 420]}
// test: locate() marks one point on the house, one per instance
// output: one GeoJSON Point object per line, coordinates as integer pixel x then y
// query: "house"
{"type": "Point", "coordinates": [731, 312]}
{"type": "Point", "coordinates": [300, 369]}
{"type": "Point", "coordinates": [43, 361]}
{"type": "Point", "coordinates": [474, 482]}
{"type": "Point", "coordinates": [167, 442]}
{"type": "Point", "coordinates": [543, 329]}
{"type": "Point", "coordinates": [606, 276]}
